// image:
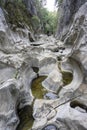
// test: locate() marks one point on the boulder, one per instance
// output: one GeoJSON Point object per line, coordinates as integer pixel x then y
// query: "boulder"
{"type": "Point", "coordinates": [53, 83]}
{"type": "Point", "coordinates": [9, 93]}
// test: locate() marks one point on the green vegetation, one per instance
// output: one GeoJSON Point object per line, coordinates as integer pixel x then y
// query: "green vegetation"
{"type": "Point", "coordinates": [48, 20]}
{"type": "Point", "coordinates": [1, 3]}
{"type": "Point", "coordinates": [18, 15]}
{"type": "Point", "coordinates": [35, 23]}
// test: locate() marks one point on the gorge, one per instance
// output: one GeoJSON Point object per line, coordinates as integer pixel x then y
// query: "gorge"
{"type": "Point", "coordinates": [43, 79]}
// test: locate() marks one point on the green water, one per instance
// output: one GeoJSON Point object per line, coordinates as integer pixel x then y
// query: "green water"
{"type": "Point", "coordinates": [38, 90]}
{"type": "Point", "coordinates": [67, 77]}
{"type": "Point", "coordinates": [26, 118]}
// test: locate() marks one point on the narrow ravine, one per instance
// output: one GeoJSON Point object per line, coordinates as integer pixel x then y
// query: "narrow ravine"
{"type": "Point", "coordinates": [26, 118]}
{"type": "Point", "coordinates": [43, 65]}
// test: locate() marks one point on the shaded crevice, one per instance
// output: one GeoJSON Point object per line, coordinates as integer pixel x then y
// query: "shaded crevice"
{"type": "Point", "coordinates": [35, 69]}
{"type": "Point", "coordinates": [26, 118]}
{"type": "Point", "coordinates": [36, 44]}
{"type": "Point", "coordinates": [76, 103]}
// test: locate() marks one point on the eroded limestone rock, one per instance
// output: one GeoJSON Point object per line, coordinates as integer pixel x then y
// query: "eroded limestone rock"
{"type": "Point", "coordinates": [54, 81]}
{"type": "Point", "coordinates": [9, 93]}
{"type": "Point", "coordinates": [17, 73]}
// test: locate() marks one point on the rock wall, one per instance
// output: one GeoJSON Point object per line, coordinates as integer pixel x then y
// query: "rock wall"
{"type": "Point", "coordinates": [72, 29]}
{"type": "Point", "coordinates": [8, 37]}
{"type": "Point", "coordinates": [66, 13]}
{"type": "Point", "coordinates": [30, 4]}
{"type": "Point", "coordinates": [77, 36]}
{"type": "Point", "coordinates": [13, 94]}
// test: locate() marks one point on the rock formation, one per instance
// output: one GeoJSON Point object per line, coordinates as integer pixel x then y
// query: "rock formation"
{"type": "Point", "coordinates": [20, 56]}
{"type": "Point", "coordinates": [74, 33]}
{"type": "Point", "coordinates": [30, 4]}
{"type": "Point", "coordinates": [67, 11]}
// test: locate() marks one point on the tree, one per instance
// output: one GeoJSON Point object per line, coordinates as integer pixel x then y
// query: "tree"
{"type": "Point", "coordinates": [35, 23]}
{"type": "Point", "coordinates": [47, 19]}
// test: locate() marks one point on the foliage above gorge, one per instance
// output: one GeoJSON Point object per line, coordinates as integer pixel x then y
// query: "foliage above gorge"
{"type": "Point", "coordinates": [48, 20]}
{"type": "Point", "coordinates": [21, 13]}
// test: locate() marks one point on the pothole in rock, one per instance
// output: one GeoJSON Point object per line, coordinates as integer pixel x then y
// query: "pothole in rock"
{"type": "Point", "coordinates": [39, 92]}
{"type": "Point", "coordinates": [79, 106]}
{"type": "Point", "coordinates": [67, 77]}
{"type": "Point", "coordinates": [26, 118]}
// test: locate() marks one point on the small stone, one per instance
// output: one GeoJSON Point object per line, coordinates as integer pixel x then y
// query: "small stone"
{"type": "Point", "coordinates": [50, 96]}
{"type": "Point", "coordinates": [50, 127]}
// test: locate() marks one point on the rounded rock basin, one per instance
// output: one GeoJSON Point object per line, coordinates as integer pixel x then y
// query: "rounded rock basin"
{"type": "Point", "coordinates": [39, 92]}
